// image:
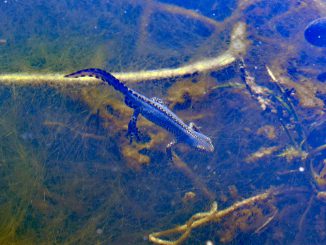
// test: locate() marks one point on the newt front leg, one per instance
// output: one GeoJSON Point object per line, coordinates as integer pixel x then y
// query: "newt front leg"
{"type": "Point", "coordinates": [132, 127]}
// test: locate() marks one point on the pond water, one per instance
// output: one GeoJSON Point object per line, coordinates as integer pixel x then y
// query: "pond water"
{"type": "Point", "coordinates": [242, 71]}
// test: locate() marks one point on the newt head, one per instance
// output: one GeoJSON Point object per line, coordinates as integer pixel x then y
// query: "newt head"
{"type": "Point", "coordinates": [198, 139]}
{"type": "Point", "coordinates": [202, 142]}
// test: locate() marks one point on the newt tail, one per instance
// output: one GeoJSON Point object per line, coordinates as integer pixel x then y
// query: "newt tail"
{"type": "Point", "coordinates": [103, 75]}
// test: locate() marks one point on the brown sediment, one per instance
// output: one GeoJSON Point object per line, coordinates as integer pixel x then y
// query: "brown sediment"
{"type": "Point", "coordinates": [291, 153]}
{"type": "Point", "coordinates": [268, 131]}
{"type": "Point", "coordinates": [133, 157]}
{"type": "Point", "coordinates": [187, 88]}
{"type": "Point", "coordinates": [261, 153]}
{"type": "Point", "coordinates": [320, 178]}
{"type": "Point", "coordinates": [306, 92]}
{"type": "Point", "coordinates": [188, 196]}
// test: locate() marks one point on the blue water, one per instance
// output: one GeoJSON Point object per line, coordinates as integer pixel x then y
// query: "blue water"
{"type": "Point", "coordinates": [68, 174]}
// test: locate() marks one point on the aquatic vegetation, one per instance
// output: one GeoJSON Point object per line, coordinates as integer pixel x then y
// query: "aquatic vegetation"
{"type": "Point", "coordinates": [215, 215]}
{"type": "Point", "coordinates": [261, 153]}
{"type": "Point", "coordinates": [68, 173]}
{"type": "Point", "coordinates": [237, 47]}
{"type": "Point", "coordinates": [19, 165]}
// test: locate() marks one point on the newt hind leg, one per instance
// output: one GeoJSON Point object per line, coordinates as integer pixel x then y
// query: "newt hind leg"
{"type": "Point", "coordinates": [132, 127]}
{"type": "Point", "coordinates": [169, 149]}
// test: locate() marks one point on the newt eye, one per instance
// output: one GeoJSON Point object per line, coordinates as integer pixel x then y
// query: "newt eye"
{"type": "Point", "coordinates": [194, 127]}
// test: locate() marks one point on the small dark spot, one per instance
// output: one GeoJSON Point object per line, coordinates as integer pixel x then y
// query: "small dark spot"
{"type": "Point", "coordinates": [322, 77]}
{"type": "Point", "coordinates": [110, 110]}
{"type": "Point", "coordinates": [194, 80]}
{"type": "Point", "coordinates": [290, 92]}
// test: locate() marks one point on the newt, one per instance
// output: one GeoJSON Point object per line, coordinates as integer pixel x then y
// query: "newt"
{"type": "Point", "coordinates": [154, 110]}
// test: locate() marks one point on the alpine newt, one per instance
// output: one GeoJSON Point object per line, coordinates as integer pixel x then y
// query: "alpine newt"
{"type": "Point", "coordinates": [154, 110]}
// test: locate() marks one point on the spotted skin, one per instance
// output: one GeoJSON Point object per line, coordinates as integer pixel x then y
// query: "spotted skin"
{"type": "Point", "coordinates": [154, 110]}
